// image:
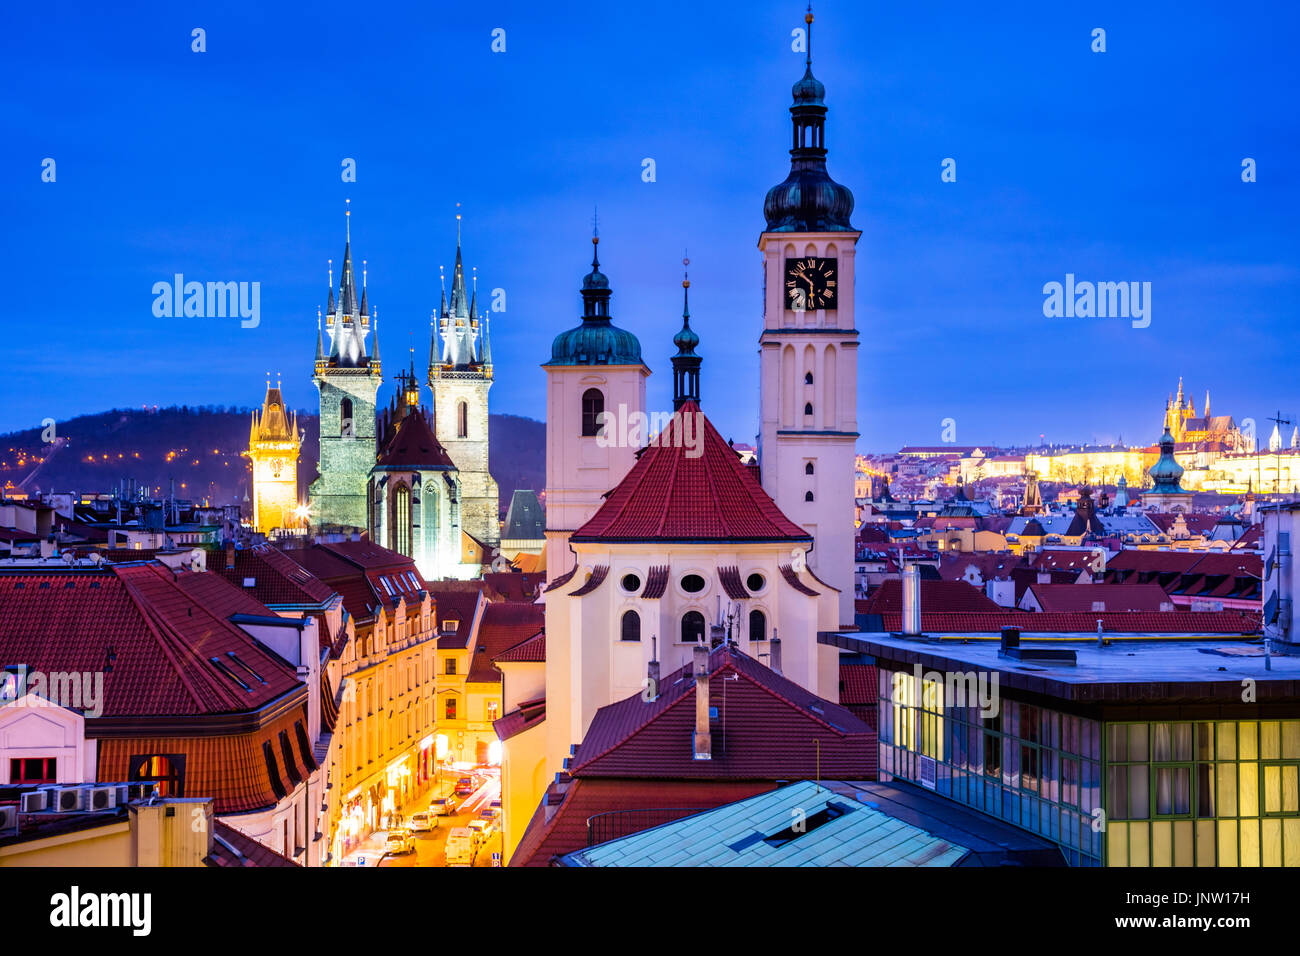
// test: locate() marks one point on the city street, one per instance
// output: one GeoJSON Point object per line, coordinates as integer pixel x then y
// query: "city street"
{"type": "Point", "coordinates": [430, 846]}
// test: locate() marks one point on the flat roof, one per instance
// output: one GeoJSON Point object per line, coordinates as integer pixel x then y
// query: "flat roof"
{"type": "Point", "coordinates": [1138, 667]}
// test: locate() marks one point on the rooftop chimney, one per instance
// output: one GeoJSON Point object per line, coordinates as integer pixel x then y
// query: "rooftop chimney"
{"type": "Point", "coordinates": [230, 555]}
{"type": "Point", "coordinates": [652, 670]}
{"type": "Point", "coordinates": [703, 749]}
{"type": "Point", "coordinates": [911, 599]}
{"type": "Point", "coordinates": [774, 652]}
{"type": "Point", "coordinates": [1010, 638]}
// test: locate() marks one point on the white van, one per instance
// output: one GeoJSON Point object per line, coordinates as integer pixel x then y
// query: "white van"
{"type": "Point", "coordinates": [460, 847]}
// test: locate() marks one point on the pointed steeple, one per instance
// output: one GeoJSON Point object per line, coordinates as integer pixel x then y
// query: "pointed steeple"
{"type": "Point", "coordinates": [365, 308]}
{"type": "Point", "coordinates": [320, 342]}
{"type": "Point", "coordinates": [348, 291]}
{"type": "Point", "coordinates": [487, 348]}
{"type": "Point", "coordinates": [686, 364]}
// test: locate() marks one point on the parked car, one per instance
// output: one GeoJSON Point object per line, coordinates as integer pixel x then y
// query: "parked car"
{"type": "Point", "coordinates": [424, 820]}
{"type": "Point", "coordinates": [460, 847]}
{"type": "Point", "coordinates": [443, 806]}
{"type": "Point", "coordinates": [464, 787]}
{"type": "Point", "coordinates": [399, 841]}
{"type": "Point", "coordinates": [481, 830]}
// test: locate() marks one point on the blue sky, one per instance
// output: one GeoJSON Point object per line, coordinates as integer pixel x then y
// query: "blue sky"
{"type": "Point", "coordinates": [225, 165]}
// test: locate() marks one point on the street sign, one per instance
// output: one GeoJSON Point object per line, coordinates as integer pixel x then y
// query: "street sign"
{"type": "Point", "coordinates": [496, 858]}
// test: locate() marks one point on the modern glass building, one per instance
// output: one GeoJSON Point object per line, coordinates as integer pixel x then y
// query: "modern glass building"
{"type": "Point", "coordinates": [1140, 753]}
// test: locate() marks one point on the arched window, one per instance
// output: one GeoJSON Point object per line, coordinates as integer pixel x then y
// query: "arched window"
{"type": "Point", "coordinates": [808, 468]}
{"type": "Point", "coordinates": [757, 626]}
{"type": "Point", "coordinates": [345, 418]}
{"type": "Point", "coordinates": [692, 628]}
{"type": "Point", "coordinates": [807, 408]}
{"type": "Point", "coordinates": [808, 496]}
{"type": "Point", "coordinates": [593, 403]}
{"type": "Point", "coordinates": [399, 526]}
{"type": "Point", "coordinates": [807, 378]}
{"type": "Point", "coordinates": [631, 630]}
{"type": "Point", "coordinates": [462, 420]}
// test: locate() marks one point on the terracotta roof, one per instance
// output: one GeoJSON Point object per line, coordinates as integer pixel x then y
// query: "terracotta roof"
{"type": "Point", "coordinates": [532, 650]}
{"type": "Point", "coordinates": [673, 493]}
{"type": "Point", "coordinates": [527, 715]}
{"type": "Point", "coordinates": [277, 578]}
{"type": "Point", "coordinates": [243, 850]}
{"type": "Point", "coordinates": [858, 684]}
{"type": "Point", "coordinates": [415, 447]}
{"type": "Point", "coordinates": [513, 585]}
{"type": "Point", "coordinates": [935, 596]}
{"type": "Point", "coordinates": [770, 723]}
{"type": "Point", "coordinates": [163, 627]}
{"type": "Point", "coordinates": [1115, 597]}
{"type": "Point", "coordinates": [990, 565]}
{"type": "Point", "coordinates": [583, 799]}
{"type": "Point", "coordinates": [1229, 621]}
{"type": "Point", "coordinates": [505, 624]}
{"type": "Point", "coordinates": [455, 604]}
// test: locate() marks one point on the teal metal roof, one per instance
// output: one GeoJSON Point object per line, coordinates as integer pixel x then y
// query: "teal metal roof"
{"type": "Point", "coordinates": [596, 342]}
{"type": "Point", "coordinates": [760, 831]}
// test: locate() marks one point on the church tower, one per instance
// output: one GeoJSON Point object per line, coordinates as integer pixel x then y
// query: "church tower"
{"type": "Point", "coordinates": [348, 380]}
{"type": "Point", "coordinates": [595, 367]}
{"type": "Point", "coordinates": [273, 445]}
{"type": "Point", "coordinates": [460, 375]}
{"type": "Point", "coordinates": [808, 349]}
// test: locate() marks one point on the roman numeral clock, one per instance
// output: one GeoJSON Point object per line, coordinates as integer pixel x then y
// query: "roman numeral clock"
{"type": "Point", "coordinates": [810, 283]}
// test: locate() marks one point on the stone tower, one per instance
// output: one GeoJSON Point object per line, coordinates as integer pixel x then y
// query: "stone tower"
{"type": "Point", "coordinates": [460, 376]}
{"type": "Point", "coordinates": [808, 349]}
{"type": "Point", "coordinates": [273, 445]}
{"type": "Point", "coordinates": [348, 380]}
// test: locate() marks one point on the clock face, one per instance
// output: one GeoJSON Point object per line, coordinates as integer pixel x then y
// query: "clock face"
{"type": "Point", "coordinates": [810, 283]}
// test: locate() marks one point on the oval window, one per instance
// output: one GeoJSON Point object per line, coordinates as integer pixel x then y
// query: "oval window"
{"type": "Point", "coordinates": [692, 583]}
{"type": "Point", "coordinates": [755, 583]}
{"type": "Point", "coordinates": [631, 583]}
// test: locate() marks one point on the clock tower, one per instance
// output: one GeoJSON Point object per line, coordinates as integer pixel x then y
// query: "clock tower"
{"type": "Point", "coordinates": [808, 349]}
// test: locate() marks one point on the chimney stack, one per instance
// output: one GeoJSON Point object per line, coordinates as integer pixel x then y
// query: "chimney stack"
{"type": "Point", "coordinates": [230, 554]}
{"type": "Point", "coordinates": [1010, 638]}
{"type": "Point", "coordinates": [911, 599]}
{"type": "Point", "coordinates": [703, 749]}
{"type": "Point", "coordinates": [652, 670]}
{"type": "Point", "coordinates": [774, 653]}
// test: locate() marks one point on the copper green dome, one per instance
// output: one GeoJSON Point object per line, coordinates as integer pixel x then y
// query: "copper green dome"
{"type": "Point", "coordinates": [809, 90]}
{"type": "Point", "coordinates": [597, 341]}
{"type": "Point", "coordinates": [1166, 472]}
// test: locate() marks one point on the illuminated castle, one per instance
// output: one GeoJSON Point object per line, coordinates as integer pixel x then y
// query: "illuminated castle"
{"type": "Point", "coordinates": [273, 445]}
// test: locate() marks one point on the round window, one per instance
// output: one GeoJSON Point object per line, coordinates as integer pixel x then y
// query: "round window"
{"type": "Point", "coordinates": [631, 583]}
{"type": "Point", "coordinates": [692, 583]}
{"type": "Point", "coordinates": [755, 583]}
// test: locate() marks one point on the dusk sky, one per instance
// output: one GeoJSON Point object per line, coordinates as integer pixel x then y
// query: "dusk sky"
{"type": "Point", "coordinates": [225, 166]}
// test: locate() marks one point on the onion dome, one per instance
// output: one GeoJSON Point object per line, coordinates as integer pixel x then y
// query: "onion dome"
{"type": "Point", "coordinates": [1166, 472]}
{"type": "Point", "coordinates": [808, 200]}
{"type": "Point", "coordinates": [686, 364]}
{"type": "Point", "coordinates": [597, 341]}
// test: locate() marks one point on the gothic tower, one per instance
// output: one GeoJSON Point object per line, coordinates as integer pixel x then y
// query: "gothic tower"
{"type": "Point", "coordinates": [273, 445]}
{"type": "Point", "coordinates": [809, 346]}
{"type": "Point", "coordinates": [460, 375]}
{"type": "Point", "coordinates": [348, 380]}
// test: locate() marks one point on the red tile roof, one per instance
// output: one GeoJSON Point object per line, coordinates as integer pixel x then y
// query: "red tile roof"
{"type": "Point", "coordinates": [935, 596]}
{"type": "Point", "coordinates": [1115, 597]}
{"type": "Point", "coordinates": [513, 585]}
{"type": "Point", "coordinates": [414, 446]}
{"type": "Point", "coordinates": [246, 850]}
{"type": "Point", "coordinates": [567, 829]}
{"type": "Point", "coordinates": [527, 715]}
{"type": "Point", "coordinates": [277, 578]}
{"type": "Point", "coordinates": [770, 723]}
{"type": "Point", "coordinates": [455, 604]}
{"type": "Point", "coordinates": [1113, 622]}
{"type": "Point", "coordinates": [533, 650]}
{"type": "Point", "coordinates": [990, 565]}
{"type": "Point", "coordinates": [163, 627]}
{"type": "Point", "coordinates": [505, 624]}
{"type": "Point", "coordinates": [671, 496]}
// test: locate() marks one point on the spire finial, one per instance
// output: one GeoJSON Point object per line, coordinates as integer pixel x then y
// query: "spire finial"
{"type": "Point", "coordinates": [457, 225]}
{"type": "Point", "coordinates": [331, 268]}
{"type": "Point", "coordinates": [686, 285]}
{"type": "Point", "coordinates": [808, 19]}
{"type": "Point", "coordinates": [347, 217]}
{"type": "Point", "coordinates": [442, 278]}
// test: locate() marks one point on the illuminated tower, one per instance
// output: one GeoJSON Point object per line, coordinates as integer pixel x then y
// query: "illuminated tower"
{"type": "Point", "coordinates": [460, 376]}
{"type": "Point", "coordinates": [808, 349]}
{"type": "Point", "coordinates": [348, 380]}
{"type": "Point", "coordinates": [273, 445]}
